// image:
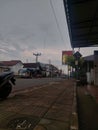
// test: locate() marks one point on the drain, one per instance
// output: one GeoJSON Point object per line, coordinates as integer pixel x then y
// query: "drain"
{"type": "Point", "coordinates": [23, 123]}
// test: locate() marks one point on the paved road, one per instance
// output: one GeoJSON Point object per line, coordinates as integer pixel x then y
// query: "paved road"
{"type": "Point", "coordinates": [25, 83]}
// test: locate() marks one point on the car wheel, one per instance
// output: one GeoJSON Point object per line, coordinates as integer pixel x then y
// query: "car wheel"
{"type": "Point", "coordinates": [5, 90]}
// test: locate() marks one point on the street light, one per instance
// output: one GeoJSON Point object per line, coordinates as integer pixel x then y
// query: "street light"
{"type": "Point", "coordinates": [37, 55]}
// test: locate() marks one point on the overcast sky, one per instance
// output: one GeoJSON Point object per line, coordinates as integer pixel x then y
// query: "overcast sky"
{"type": "Point", "coordinates": [33, 26]}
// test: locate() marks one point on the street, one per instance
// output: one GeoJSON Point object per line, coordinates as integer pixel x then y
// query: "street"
{"type": "Point", "coordinates": [48, 107]}
{"type": "Point", "coordinates": [34, 82]}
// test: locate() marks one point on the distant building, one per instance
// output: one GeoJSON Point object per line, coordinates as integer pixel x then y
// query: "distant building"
{"type": "Point", "coordinates": [39, 67]}
{"type": "Point", "coordinates": [13, 65]}
{"type": "Point", "coordinates": [2, 68]}
{"type": "Point", "coordinates": [47, 70]}
{"type": "Point", "coordinates": [51, 70]}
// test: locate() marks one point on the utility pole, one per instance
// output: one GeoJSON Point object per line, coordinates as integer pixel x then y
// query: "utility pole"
{"type": "Point", "coordinates": [37, 55]}
{"type": "Point", "coordinates": [50, 68]}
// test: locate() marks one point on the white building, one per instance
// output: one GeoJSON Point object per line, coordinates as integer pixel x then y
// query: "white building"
{"type": "Point", "coordinates": [13, 65]}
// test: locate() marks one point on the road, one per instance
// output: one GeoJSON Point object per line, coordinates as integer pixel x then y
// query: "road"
{"type": "Point", "coordinates": [25, 83]}
{"type": "Point", "coordinates": [47, 108]}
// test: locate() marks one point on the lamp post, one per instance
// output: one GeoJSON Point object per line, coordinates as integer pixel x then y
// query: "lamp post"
{"type": "Point", "coordinates": [37, 55]}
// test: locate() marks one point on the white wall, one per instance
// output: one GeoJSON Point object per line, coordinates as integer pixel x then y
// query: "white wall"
{"type": "Point", "coordinates": [16, 68]}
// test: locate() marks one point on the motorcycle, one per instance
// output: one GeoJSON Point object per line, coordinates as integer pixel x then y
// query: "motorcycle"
{"type": "Point", "coordinates": [6, 81]}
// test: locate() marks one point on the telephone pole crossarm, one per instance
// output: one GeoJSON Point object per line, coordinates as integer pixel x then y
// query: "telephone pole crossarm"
{"type": "Point", "coordinates": [37, 55]}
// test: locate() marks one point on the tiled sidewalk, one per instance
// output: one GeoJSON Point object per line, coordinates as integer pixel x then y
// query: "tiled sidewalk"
{"type": "Point", "coordinates": [48, 108]}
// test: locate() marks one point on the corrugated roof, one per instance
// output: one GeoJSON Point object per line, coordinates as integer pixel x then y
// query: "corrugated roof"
{"type": "Point", "coordinates": [31, 65]}
{"type": "Point", "coordinates": [10, 63]}
{"type": "Point", "coordinates": [89, 58]}
{"type": "Point", "coordinates": [82, 19]}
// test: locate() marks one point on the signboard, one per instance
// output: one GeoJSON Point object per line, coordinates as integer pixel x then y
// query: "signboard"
{"type": "Point", "coordinates": [77, 55]}
{"type": "Point", "coordinates": [65, 55]}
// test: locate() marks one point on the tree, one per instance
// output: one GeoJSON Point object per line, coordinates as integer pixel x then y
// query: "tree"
{"type": "Point", "coordinates": [71, 61]}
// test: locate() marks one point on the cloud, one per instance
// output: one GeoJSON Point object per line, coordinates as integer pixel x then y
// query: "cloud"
{"type": "Point", "coordinates": [30, 26]}
{"type": "Point", "coordinates": [2, 50]}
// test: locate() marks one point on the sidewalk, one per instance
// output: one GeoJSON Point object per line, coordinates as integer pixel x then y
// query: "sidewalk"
{"type": "Point", "coordinates": [52, 107]}
{"type": "Point", "coordinates": [93, 91]}
{"type": "Point", "coordinates": [87, 108]}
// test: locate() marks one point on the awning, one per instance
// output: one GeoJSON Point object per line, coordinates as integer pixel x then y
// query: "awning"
{"type": "Point", "coordinates": [82, 19]}
{"type": "Point", "coordinates": [89, 58]}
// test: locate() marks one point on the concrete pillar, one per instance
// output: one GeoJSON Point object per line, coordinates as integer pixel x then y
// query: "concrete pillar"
{"type": "Point", "coordinates": [88, 77]}
{"type": "Point", "coordinates": [92, 75]}
{"type": "Point", "coordinates": [96, 68]}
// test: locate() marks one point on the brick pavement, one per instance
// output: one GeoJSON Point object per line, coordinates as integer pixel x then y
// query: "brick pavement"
{"type": "Point", "coordinates": [47, 108]}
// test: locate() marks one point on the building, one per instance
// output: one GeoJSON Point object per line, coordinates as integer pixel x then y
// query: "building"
{"type": "Point", "coordinates": [13, 65]}
{"type": "Point", "coordinates": [89, 68]}
{"type": "Point", "coordinates": [2, 68]}
{"type": "Point", "coordinates": [47, 70]}
{"type": "Point", "coordinates": [39, 68]}
{"type": "Point", "coordinates": [82, 20]}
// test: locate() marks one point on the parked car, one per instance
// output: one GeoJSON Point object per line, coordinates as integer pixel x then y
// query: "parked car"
{"type": "Point", "coordinates": [24, 73]}
{"type": "Point", "coordinates": [29, 73]}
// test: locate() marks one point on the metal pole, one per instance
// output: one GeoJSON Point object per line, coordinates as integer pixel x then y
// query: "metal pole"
{"type": "Point", "coordinates": [37, 54]}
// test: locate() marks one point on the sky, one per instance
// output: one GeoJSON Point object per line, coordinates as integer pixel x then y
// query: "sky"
{"type": "Point", "coordinates": [34, 26]}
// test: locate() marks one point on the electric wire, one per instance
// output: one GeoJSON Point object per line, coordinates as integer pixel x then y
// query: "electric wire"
{"type": "Point", "coordinates": [51, 4]}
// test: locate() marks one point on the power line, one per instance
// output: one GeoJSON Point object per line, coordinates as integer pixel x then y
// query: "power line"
{"type": "Point", "coordinates": [56, 20]}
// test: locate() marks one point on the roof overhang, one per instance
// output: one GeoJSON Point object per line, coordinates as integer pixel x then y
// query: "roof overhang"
{"type": "Point", "coordinates": [82, 19]}
{"type": "Point", "coordinates": [89, 58]}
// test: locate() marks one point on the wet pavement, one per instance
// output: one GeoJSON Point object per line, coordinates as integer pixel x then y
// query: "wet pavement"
{"type": "Point", "coordinates": [93, 90]}
{"type": "Point", "coordinates": [87, 108]}
{"type": "Point", "coordinates": [48, 108]}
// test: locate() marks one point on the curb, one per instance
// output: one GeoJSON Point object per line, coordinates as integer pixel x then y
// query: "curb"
{"type": "Point", "coordinates": [74, 117]}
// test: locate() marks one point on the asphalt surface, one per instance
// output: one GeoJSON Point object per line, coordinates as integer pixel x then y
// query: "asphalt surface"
{"type": "Point", "coordinates": [48, 107]}
{"type": "Point", "coordinates": [23, 83]}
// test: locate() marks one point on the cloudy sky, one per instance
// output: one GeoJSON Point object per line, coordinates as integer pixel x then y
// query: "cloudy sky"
{"type": "Point", "coordinates": [33, 26]}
